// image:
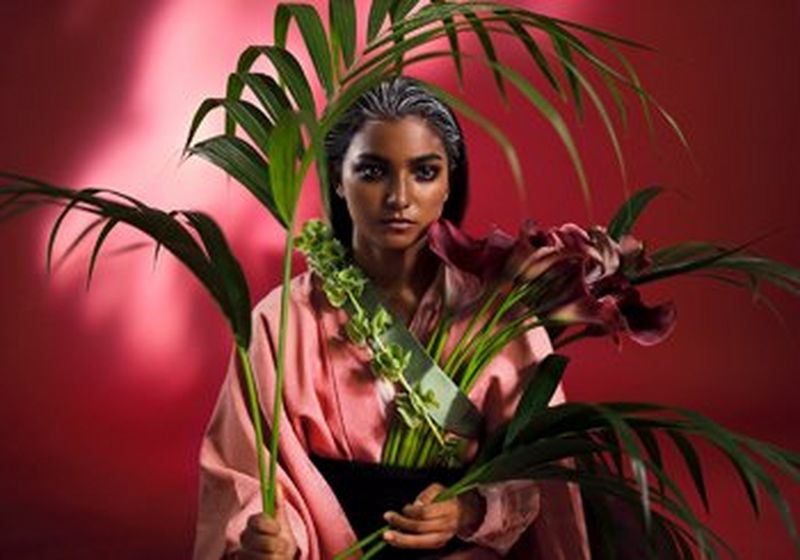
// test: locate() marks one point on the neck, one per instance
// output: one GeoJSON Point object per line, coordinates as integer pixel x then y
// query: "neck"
{"type": "Point", "coordinates": [402, 275]}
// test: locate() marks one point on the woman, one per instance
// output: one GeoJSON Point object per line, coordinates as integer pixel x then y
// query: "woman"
{"type": "Point", "coordinates": [397, 165]}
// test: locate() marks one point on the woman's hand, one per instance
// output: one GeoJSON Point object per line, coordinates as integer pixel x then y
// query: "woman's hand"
{"type": "Point", "coordinates": [265, 538]}
{"type": "Point", "coordinates": [429, 524]}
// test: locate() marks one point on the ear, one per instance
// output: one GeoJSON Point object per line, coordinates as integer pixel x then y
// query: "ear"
{"type": "Point", "coordinates": [339, 190]}
{"type": "Point", "coordinates": [446, 195]}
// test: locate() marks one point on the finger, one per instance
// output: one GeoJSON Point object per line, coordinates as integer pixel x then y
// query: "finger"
{"type": "Point", "coordinates": [428, 495]}
{"type": "Point", "coordinates": [420, 526]}
{"type": "Point", "coordinates": [263, 524]}
{"type": "Point", "coordinates": [428, 540]}
{"type": "Point", "coordinates": [432, 511]}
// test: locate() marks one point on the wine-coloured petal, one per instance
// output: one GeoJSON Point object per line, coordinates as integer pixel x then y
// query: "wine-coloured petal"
{"type": "Point", "coordinates": [646, 325]}
{"type": "Point", "coordinates": [482, 257]}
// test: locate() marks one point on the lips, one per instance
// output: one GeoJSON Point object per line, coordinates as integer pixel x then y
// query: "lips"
{"type": "Point", "coordinates": [397, 224]}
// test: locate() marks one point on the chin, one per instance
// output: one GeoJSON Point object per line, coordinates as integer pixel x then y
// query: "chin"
{"type": "Point", "coordinates": [400, 242]}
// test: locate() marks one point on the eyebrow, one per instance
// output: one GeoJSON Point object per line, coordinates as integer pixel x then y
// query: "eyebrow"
{"type": "Point", "coordinates": [418, 159]}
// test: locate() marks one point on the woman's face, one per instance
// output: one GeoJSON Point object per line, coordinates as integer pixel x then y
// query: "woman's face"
{"type": "Point", "coordinates": [395, 182]}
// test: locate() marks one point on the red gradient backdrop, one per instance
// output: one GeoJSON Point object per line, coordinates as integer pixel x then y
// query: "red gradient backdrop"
{"type": "Point", "coordinates": [104, 395]}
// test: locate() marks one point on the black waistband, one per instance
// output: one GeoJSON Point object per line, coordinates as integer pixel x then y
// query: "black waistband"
{"type": "Point", "coordinates": [367, 490]}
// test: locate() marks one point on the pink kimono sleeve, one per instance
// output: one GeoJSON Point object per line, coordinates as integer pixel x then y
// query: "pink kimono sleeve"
{"type": "Point", "coordinates": [229, 485]}
{"type": "Point", "coordinates": [541, 520]}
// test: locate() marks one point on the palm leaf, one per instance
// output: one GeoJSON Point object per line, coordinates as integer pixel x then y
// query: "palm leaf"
{"type": "Point", "coordinates": [109, 225]}
{"type": "Point", "coordinates": [289, 71]}
{"type": "Point", "coordinates": [565, 55]}
{"type": "Point", "coordinates": [342, 18]}
{"type": "Point", "coordinates": [624, 219]}
{"type": "Point", "coordinates": [243, 113]}
{"type": "Point", "coordinates": [268, 92]}
{"type": "Point", "coordinates": [530, 45]}
{"type": "Point", "coordinates": [241, 162]}
{"type": "Point", "coordinates": [537, 394]}
{"type": "Point", "coordinates": [692, 461]}
{"type": "Point", "coordinates": [378, 11]}
{"type": "Point", "coordinates": [283, 165]}
{"type": "Point", "coordinates": [488, 49]}
{"type": "Point", "coordinates": [455, 48]}
{"type": "Point", "coordinates": [211, 263]}
{"type": "Point", "coordinates": [313, 34]}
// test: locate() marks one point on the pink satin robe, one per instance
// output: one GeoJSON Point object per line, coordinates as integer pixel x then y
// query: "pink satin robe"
{"type": "Point", "coordinates": [335, 407]}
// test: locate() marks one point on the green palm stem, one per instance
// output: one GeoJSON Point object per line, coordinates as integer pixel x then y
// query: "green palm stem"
{"type": "Point", "coordinates": [389, 445]}
{"type": "Point", "coordinates": [411, 442]}
{"type": "Point", "coordinates": [269, 510]}
{"type": "Point", "coordinates": [374, 550]}
{"type": "Point", "coordinates": [350, 550]}
{"type": "Point", "coordinates": [281, 367]}
{"type": "Point", "coordinates": [487, 347]}
{"type": "Point", "coordinates": [447, 367]}
{"type": "Point", "coordinates": [456, 359]}
{"type": "Point", "coordinates": [438, 337]}
{"type": "Point", "coordinates": [407, 447]}
{"type": "Point", "coordinates": [438, 349]}
{"type": "Point", "coordinates": [392, 447]}
{"type": "Point", "coordinates": [425, 450]}
{"type": "Point", "coordinates": [255, 412]}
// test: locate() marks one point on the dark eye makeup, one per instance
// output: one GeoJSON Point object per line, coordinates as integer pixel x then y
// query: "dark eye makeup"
{"type": "Point", "coordinates": [427, 172]}
{"type": "Point", "coordinates": [369, 171]}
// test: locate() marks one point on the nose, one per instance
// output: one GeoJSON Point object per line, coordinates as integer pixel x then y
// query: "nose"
{"type": "Point", "coordinates": [397, 196]}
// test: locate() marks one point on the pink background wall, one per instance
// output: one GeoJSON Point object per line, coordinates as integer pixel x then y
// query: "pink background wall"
{"type": "Point", "coordinates": [104, 395]}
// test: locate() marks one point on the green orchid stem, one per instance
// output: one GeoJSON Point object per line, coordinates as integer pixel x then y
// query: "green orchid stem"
{"type": "Point", "coordinates": [476, 341]}
{"type": "Point", "coordinates": [349, 551]}
{"type": "Point", "coordinates": [454, 355]}
{"type": "Point", "coordinates": [280, 370]}
{"type": "Point", "coordinates": [374, 550]}
{"type": "Point", "coordinates": [255, 412]}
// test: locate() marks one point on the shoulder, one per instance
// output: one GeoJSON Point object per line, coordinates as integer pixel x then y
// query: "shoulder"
{"type": "Point", "coordinates": [302, 296]}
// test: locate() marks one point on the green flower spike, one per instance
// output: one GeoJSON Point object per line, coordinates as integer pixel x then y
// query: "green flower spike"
{"type": "Point", "coordinates": [358, 328]}
{"type": "Point", "coordinates": [391, 361]}
{"type": "Point", "coordinates": [381, 321]}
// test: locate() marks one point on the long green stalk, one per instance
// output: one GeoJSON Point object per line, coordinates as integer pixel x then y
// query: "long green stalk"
{"type": "Point", "coordinates": [512, 297]}
{"type": "Point", "coordinates": [447, 367]}
{"type": "Point", "coordinates": [255, 413]}
{"type": "Point", "coordinates": [346, 553]}
{"type": "Point", "coordinates": [280, 368]}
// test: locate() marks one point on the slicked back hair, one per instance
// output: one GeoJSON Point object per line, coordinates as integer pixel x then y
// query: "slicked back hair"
{"type": "Point", "coordinates": [392, 99]}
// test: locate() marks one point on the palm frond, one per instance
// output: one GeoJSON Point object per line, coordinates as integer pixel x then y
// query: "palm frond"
{"type": "Point", "coordinates": [289, 71]}
{"type": "Point", "coordinates": [625, 218]}
{"type": "Point", "coordinates": [313, 33]}
{"type": "Point", "coordinates": [210, 260]}
{"type": "Point", "coordinates": [243, 163]}
{"type": "Point", "coordinates": [342, 22]}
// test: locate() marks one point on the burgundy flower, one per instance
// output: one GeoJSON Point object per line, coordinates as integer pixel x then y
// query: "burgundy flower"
{"type": "Point", "coordinates": [482, 258]}
{"type": "Point", "coordinates": [536, 251]}
{"type": "Point", "coordinates": [579, 278]}
{"type": "Point", "coordinates": [472, 264]}
{"type": "Point", "coordinates": [646, 325]}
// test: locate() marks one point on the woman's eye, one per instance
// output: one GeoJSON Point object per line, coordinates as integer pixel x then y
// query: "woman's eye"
{"type": "Point", "coordinates": [427, 172]}
{"type": "Point", "coordinates": [369, 172]}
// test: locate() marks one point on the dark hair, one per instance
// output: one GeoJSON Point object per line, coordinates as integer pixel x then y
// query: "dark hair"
{"type": "Point", "coordinates": [395, 98]}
